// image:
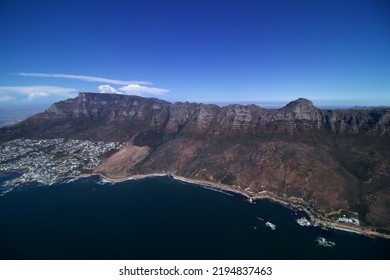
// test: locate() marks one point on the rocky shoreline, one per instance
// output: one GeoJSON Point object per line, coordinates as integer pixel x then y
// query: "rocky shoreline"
{"type": "Point", "coordinates": [322, 160]}
{"type": "Point", "coordinates": [316, 218]}
{"type": "Point", "coordinates": [294, 203]}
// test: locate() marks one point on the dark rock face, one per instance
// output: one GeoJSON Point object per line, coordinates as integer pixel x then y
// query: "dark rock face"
{"type": "Point", "coordinates": [98, 116]}
{"type": "Point", "coordinates": [331, 159]}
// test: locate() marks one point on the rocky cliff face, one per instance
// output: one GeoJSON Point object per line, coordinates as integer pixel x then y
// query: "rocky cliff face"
{"type": "Point", "coordinates": [89, 112]}
{"type": "Point", "coordinates": [331, 159]}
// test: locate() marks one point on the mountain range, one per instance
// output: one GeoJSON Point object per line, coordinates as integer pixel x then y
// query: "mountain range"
{"type": "Point", "coordinates": [336, 161]}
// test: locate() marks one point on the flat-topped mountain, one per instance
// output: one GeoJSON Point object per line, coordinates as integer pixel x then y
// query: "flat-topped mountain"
{"type": "Point", "coordinates": [121, 117]}
{"type": "Point", "coordinates": [331, 160]}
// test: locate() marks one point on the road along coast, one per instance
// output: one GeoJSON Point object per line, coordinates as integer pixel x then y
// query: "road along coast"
{"type": "Point", "coordinates": [293, 203]}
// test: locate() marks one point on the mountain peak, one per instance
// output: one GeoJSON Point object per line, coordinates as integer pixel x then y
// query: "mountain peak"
{"type": "Point", "coordinates": [302, 109]}
{"type": "Point", "coordinates": [300, 102]}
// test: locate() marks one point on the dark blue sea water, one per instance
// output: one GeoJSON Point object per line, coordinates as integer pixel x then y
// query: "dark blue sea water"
{"type": "Point", "coordinates": [160, 218]}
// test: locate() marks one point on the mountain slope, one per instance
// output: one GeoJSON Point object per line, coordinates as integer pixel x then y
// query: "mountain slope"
{"type": "Point", "coordinates": [332, 160]}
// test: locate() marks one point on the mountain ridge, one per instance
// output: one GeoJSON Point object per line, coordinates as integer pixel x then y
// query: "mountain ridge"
{"type": "Point", "coordinates": [293, 118]}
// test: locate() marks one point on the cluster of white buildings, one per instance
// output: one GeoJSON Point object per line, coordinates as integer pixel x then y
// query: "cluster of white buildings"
{"type": "Point", "coordinates": [50, 159]}
{"type": "Point", "coordinates": [347, 220]}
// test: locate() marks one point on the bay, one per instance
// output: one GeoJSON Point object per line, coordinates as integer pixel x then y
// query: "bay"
{"type": "Point", "coordinates": [161, 218]}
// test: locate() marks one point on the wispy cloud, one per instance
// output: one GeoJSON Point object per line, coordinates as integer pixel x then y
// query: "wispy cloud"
{"type": "Point", "coordinates": [5, 98]}
{"type": "Point", "coordinates": [83, 78]}
{"type": "Point", "coordinates": [107, 89]}
{"type": "Point", "coordinates": [33, 92]}
{"type": "Point", "coordinates": [133, 89]}
{"type": "Point", "coordinates": [142, 90]}
{"type": "Point", "coordinates": [129, 87]}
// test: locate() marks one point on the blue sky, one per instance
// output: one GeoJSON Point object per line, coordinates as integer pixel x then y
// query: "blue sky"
{"type": "Point", "coordinates": [336, 53]}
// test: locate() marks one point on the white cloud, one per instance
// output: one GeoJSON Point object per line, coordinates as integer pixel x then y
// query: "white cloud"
{"type": "Point", "coordinates": [129, 87]}
{"type": "Point", "coordinates": [5, 98]}
{"type": "Point", "coordinates": [107, 89]}
{"type": "Point", "coordinates": [33, 92]}
{"type": "Point", "coordinates": [135, 89]}
{"type": "Point", "coordinates": [83, 78]}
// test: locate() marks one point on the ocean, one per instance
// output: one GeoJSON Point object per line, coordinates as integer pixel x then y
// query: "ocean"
{"type": "Point", "coordinates": [160, 218]}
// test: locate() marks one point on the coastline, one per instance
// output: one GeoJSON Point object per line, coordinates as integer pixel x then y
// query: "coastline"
{"type": "Point", "coordinates": [293, 203]}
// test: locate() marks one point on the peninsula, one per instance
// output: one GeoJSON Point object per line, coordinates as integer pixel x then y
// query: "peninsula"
{"type": "Point", "coordinates": [334, 164]}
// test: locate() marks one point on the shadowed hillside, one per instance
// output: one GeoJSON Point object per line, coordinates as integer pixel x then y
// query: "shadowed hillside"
{"type": "Point", "coordinates": [331, 159]}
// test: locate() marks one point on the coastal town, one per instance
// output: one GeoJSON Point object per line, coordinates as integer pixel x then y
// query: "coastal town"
{"type": "Point", "coordinates": [50, 159]}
